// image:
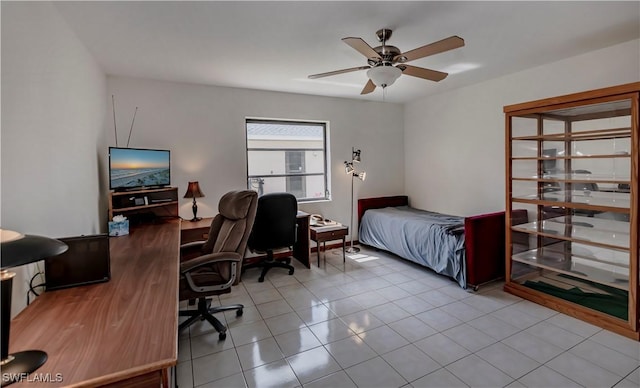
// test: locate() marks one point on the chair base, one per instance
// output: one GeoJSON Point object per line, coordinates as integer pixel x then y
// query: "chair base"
{"type": "Point", "coordinates": [205, 311]}
{"type": "Point", "coordinates": [269, 263]}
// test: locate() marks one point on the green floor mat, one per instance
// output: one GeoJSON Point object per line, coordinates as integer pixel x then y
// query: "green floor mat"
{"type": "Point", "coordinates": [614, 304]}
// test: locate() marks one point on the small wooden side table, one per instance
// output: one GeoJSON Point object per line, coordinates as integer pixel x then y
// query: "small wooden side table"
{"type": "Point", "coordinates": [195, 231]}
{"type": "Point", "coordinates": [322, 234]}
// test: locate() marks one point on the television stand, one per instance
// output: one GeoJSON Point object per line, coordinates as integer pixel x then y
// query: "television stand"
{"type": "Point", "coordinates": [138, 204]}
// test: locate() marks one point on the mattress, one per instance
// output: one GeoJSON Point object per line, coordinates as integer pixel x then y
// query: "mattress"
{"type": "Point", "coordinates": [433, 240]}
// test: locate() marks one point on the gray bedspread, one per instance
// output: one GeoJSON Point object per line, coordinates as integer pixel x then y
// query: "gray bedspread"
{"type": "Point", "coordinates": [430, 239]}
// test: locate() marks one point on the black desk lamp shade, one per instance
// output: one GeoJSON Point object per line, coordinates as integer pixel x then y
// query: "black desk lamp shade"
{"type": "Point", "coordinates": [17, 249]}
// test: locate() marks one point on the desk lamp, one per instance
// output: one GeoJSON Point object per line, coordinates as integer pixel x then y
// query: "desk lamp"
{"type": "Point", "coordinates": [18, 249]}
{"type": "Point", "coordinates": [193, 191]}
{"type": "Point", "coordinates": [350, 170]}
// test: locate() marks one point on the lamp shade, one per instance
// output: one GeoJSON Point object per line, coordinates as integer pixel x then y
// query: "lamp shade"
{"type": "Point", "coordinates": [193, 191]}
{"type": "Point", "coordinates": [18, 249]}
{"type": "Point", "coordinates": [355, 156]}
{"type": "Point", "coordinates": [348, 167]}
{"type": "Point", "coordinates": [384, 76]}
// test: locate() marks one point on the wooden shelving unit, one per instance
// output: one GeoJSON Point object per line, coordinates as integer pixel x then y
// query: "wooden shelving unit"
{"type": "Point", "coordinates": [572, 162]}
{"type": "Point", "coordinates": [142, 205]}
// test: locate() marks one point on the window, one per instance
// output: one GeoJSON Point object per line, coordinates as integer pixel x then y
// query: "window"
{"type": "Point", "coordinates": [288, 156]}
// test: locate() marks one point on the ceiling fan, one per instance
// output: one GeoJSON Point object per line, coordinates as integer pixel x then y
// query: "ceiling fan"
{"type": "Point", "coordinates": [381, 60]}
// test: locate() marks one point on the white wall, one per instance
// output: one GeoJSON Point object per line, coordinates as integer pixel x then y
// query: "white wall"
{"type": "Point", "coordinates": [53, 108]}
{"type": "Point", "coordinates": [204, 127]}
{"type": "Point", "coordinates": [454, 142]}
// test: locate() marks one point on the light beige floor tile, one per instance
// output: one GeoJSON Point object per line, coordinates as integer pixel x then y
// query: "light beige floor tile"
{"type": "Point", "coordinates": [605, 357]}
{"type": "Point", "coordinates": [361, 321]}
{"type": "Point", "coordinates": [313, 364]}
{"type": "Point", "coordinates": [516, 317]}
{"type": "Point", "coordinates": [383, 339]}
{"type": "Point", "coordinates": [274, 308]}
{"type": "Point", "coordinates": [249, 314]}
{"type": "Point", "coordinates": [440, 378]}
{"type": "Point", "coordinates": [469, 337]}
{"type": "Point", "coordinates": [412, 329]}
{"type": "Point", "coordinates": [442, 349]}
{"type": "Point", "coordinates": [339, 379]}
{"type": "Point", "coordinates": [264, 296]}
{"type": "Point", "coordinates": [296, 341]}
{"type": "Point", "coordinates": [410, 362]}
{"type": "Point", "coordinates": [389, 312]}
{"type": "Point", "coordinates": [370, 299]}
{"type": "Point", "coordinates": [329, 294]}
{"type": "Point", "coordinates": [342, 307]}
{"type": "Point", "coordinates": [259, 353]}
{"type": "Point", "coordinates": [277, 374]}
{"type": "Point", "coordinates": [284, 323]}
{"type": "Point", "coordinates": [494, 327]}
{"type": "Point", "coordinates": [618, 343]}
{"type": "Point", "coordinates": [209, 343]}
{"type": "Point", "coordinates": [251, 332]}
{"type": "Point", "coordinates": [375, 373]}
{"type": "Point", "coordinates": [350, 351]}
{"type": "Point", "coordinates": [215, 366]}
{"type": "Point", "coordinates": [544, 377]}
{"type": "Point", "coordinates": [508, 360]}
{"type": "Point", "coordinates": [413, 305]}
{"type": "Point", "coordinates": [316, 314]}
{"type": "Point", "coordinates": [555, 335]}
{"type": "Point", "coordinates": [184, 374]}
{"type": "Point", "coordinates": [393, 293]}
{"type": "Point", "coordinates": [331, 330]}
{"type": "Point", "coordinates": [235, 381]}
{"type": "Point", "coordinates": [437, 298]}
{"type": "Point", "coordinates": [476, 372]}
{"type": "Point", "coordinates": [438, 319]}
{"type": "Point", "coordinates": [576, 326]}
{"type": "Point", "coordinates": [582, 371]}
{"type": "Point", "coordinates": [533, 347]}
{"type": "Point", "coordinates": [462, 310]}
{"type": "Point", "coordinates": [184, 349]}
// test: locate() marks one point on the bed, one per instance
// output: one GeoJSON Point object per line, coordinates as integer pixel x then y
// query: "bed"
{"type": "Point", "coordinates": [469, 250]}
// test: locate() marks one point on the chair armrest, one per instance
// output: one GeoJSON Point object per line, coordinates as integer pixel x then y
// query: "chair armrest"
{"type": "Point", "coordinates": [192, 245]}
{"type": "Point", "coordinates": [210, 258]}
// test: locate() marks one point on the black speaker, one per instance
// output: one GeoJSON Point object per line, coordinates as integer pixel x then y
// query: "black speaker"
{"type": "Point", "coordinates": [85, 262]}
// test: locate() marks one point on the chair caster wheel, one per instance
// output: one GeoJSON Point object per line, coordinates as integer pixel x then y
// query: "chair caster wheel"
{"type": "Point", "coordinates": [288, 261]}
{"type": "Point", "coordinates": [291, 271]}
{"type": "Point", "coordinates": [222, 336]}
{"type": "Point", "coordinates": [239, 313]}
{"type": "Point", "coordinates": [261, 279]}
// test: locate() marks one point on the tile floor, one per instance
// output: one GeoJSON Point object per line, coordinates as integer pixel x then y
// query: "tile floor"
{"type": "Point", "coordinates": [378, 321]}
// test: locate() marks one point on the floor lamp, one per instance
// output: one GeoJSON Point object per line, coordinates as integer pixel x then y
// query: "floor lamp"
{"type": "Point", "coordinates": [18, 249]}
{"type": "Point", "coordinates": [350, 170]}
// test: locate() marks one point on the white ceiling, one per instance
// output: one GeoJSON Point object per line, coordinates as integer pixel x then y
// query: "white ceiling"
{"type": "Point", "coordinates": [276, 45]}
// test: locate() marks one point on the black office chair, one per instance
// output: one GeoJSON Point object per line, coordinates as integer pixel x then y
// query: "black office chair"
{"type": "Point", "coordinates": [274, 228]}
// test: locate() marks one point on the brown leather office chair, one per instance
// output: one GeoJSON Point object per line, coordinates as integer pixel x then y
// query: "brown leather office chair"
{"type": "Point", "coordinates": [211, 267]}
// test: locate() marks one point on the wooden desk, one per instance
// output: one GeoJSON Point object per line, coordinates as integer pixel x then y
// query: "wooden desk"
{"type": "Point", "coordinates": [123, 332]}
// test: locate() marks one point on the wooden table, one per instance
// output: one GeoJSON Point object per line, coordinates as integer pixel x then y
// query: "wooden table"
{"type": "Point", "coordinates": [191, 231]}
{"type": "Point", "coordinates": [328, 233]}
{"type": "Point", "coordinates": [123, 332]}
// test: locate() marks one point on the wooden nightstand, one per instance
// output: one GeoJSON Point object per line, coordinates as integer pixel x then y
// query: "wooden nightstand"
{"type": "Point", "coordinates": [323, 234]}
{"type": "Point", "coordinates": [194, 231]}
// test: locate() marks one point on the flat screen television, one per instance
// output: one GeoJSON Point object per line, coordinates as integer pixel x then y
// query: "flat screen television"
{"type": "Point", "coordinates": [135, 168]}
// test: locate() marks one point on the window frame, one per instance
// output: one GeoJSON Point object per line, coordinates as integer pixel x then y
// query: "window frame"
{"type": "Point", "coordinates": [325, 153]}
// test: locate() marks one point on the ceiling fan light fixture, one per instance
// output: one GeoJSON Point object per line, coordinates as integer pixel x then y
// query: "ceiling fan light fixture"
{"type": "Point", "coordinates": [384, 76]}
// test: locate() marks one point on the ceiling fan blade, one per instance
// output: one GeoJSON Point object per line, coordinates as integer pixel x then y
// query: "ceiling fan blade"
{"type": "Point", "coordinates": [362, 47]}
{"type": "Point", "coordinates": [368, 88]}
{"type": "Point", "coordinates": [314, 76]}
{"type": "Point", "coordinates": [440, 46]}
{"type": "Point", "coordinates": [420, 72]}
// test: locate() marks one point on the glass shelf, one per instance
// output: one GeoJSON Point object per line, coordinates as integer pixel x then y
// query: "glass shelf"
{"type": "Point", "coordinates": [594, 200]}
{"type": "Point", "coordinates": [589, 230]}
{"type": "Point", "coordinates": [613, 275]}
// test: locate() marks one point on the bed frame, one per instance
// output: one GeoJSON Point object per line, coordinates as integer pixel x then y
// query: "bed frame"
{"type": "Point", "coordinates": [484, 239]}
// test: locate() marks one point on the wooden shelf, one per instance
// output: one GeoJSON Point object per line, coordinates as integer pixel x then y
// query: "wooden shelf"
{"type": "Point", "coordinates": [581, 235]}
{"type": "Point", "coordinates": [142, 205]}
